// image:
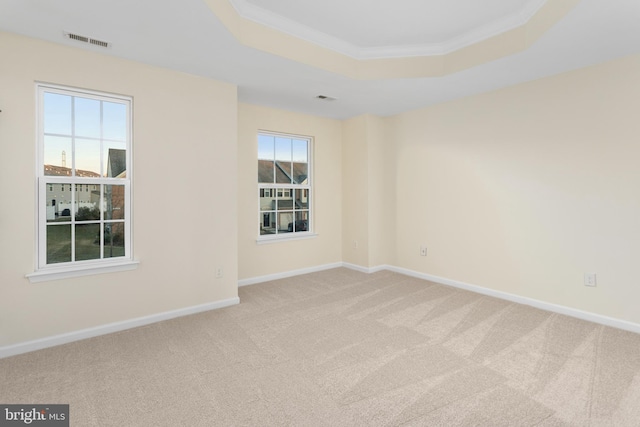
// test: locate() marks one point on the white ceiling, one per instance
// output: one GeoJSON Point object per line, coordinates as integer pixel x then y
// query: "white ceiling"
{"type": "Point", "coordinates": [186, 35]}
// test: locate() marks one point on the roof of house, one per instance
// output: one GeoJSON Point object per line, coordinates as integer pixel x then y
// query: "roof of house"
{"type": "Point", "coordinates": [117, 162]}
{"type": "Point", "coordinates": [53, 170]}
{"type": "Point", "coordinates": [285, 172]}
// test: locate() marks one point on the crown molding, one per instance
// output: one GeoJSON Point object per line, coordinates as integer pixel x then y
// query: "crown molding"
{"type": "Point", "coordinates": [293, 28]}
{"type": "Point", "coordinates": [288, 26]}
{"type": "Point", "coordinates": [410, 61]}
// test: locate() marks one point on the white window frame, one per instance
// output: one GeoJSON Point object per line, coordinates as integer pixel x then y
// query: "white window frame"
{"type": "Point", "coordinates": [44, 271]}
{"type": "Point", "coordinates": [299, 235]}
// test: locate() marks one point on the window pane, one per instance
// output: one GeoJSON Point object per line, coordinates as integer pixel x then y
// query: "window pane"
{"type": "Point", "coordinates": [300, 162]}
{"type": "Point", "coordinates": [114, 201]}
{"type": "Point", "coordinates": [302, 221]}
{"type": "Point", "coordinates": [283, 173]}
{"type": "Point", "coordinates": [283, 149]}
{"type": "Point", "coordinates": [301, 199]}
{"type": "Point", "coordinates": [87, 158]}
{"type": "Point", "coordinates": [58, 243]}
{"type": "Point", "coordinates": [267, 199]}
{"type": "Point", "coordinates": [57, 156]}
{"type": "Point", "coordinates": [266, 147]}
{"type": "Point", "coordinates": [265, 158]}
{"type": "Point", "coordinates": [114, 121]}
{"type": "Point", "coordinates": [57, 114]}
{"type": "Point", "coordinates": [114, 238]}
{"type": "Point", "coordinates": [87, 203]}
{"type": "Point", "coordinates": [285, 199]}
{"type": "Point", "coordinates": [283, 161]}
{"type": "Point", "coordinates": [115, 155]}
{"type": "Point", "coordinates": [285, 222]}
{"type": "Point", "coordinates": [267, 223]}
{"type": "Point", "coordinates": [58, 202]}
{"type": "Point", "coordinates": [87, 241]}
{"type": "Point", "coordinates": [87, 117]}
{"type": "Point", "coordinates": [265, 171]}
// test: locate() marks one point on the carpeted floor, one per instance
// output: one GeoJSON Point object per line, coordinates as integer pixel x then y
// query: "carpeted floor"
{"type": "Point", "coordinates": [343, 348]}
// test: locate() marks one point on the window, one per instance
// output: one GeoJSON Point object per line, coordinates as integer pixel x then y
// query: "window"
{"type": "Point", "coordinates": [84, 139]}
{"type": "Point", "coordinates": [284, 182]}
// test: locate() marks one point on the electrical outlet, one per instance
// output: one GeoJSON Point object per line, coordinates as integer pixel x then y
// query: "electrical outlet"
{"type": "Point", "coordinates": [423, 251]}
{"type": "Point", "coordinates": [219, 273]}
{"type": "Point", "coordinates": [590, 279]}
{"type": "Point", "coordinates": [355, 244]}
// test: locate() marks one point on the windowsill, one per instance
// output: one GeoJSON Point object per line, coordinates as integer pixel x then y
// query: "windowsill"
{"type": "Point", "coordinates": [264, 240]}
{"type": "Point", "coordinates": [56, 273]}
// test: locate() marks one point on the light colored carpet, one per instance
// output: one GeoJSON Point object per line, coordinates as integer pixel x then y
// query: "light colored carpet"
{"type": "Point", "coordinates": [343, 348]}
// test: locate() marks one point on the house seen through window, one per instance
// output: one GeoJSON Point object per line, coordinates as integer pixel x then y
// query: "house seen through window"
{"type": "Point", "coordinates": [284, 184]}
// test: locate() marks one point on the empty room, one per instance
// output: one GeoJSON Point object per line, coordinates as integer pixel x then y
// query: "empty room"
{"type": "Point", "coordinates": [338, 213]}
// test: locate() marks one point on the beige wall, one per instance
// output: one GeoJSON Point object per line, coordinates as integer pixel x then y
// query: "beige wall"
{"type": "Point", "coordinates": [368, 199]}
{"type": "Point", "coordinates": [523, 190]}
{"type": "Point", "coordinates": [184, 197]}
{"type": "Point", "coordinates": [355, 196]}
{"type": "Point", "coordinates": [260, 260]}
{"type": "Point", "coordinates": [382, 170]}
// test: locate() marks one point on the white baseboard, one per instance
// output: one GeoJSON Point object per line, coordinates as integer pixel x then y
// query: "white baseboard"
{"type": "Point", "coordinates": [555, 308]}
{"type": "Point", "coordinates": [291, 273]}
{"type": "Point", "coordinates": [365, 269]}
{"type": "Point", "coordinates": [39, 344]}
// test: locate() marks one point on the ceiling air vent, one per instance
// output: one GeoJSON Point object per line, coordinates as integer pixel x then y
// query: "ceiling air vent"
{"type": "Point", "coordinates": [85, 39]}
{"type": "Point", "coordinates": [325, 98]}
{"type": "Point", "coordinates": [99, 42]}
{"type": "Point", "coordinates": [78, 38]}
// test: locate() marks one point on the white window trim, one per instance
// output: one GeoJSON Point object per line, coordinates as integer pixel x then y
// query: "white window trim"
{"type": "Point", "coordinates": [56, 273]}
{"type": "Point", "coordinates": [42, 271]}
{"type": "Point", "coordinates": [299, 235]}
